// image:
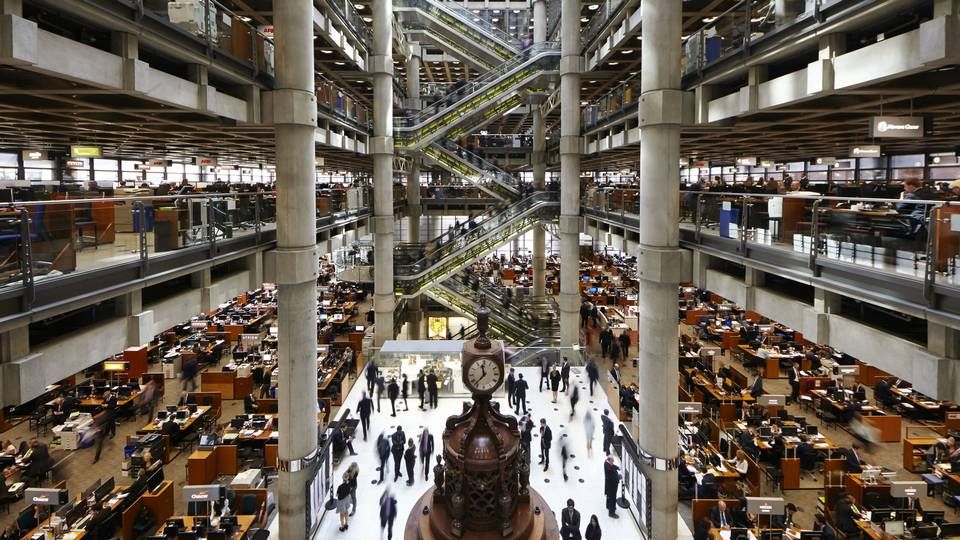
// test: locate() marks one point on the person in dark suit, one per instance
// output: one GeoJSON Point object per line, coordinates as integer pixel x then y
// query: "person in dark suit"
{"type": "Point", "coordinates": [593, 531]}
{"type": "Point", "coordinates": [398, 439]}
{"type": "Point", "coordinates": [544, 372]}
{"type": "Point", "coordinates": [38, 462]}
{"type": "Point", "coordinates": [719, 516]}
{"type": "Point", "coordinates": [59, 411]}
{"type": "Point", "coordinates": [250, 404]}
{"type": "Point", "coordinates": [388, 512]}
{"type": "Point", "coordinates": [859, 392]}
{"type": "Point", "coordinates": [593, 374]}
{"type": "Point", "coordinates": [520, 394]}
{"type": "Point", "coordinates": [410, 460]}
{"type": "Point", "coordinates": [365, 408]}
{"type": "Point", "coordinates": [383, 453]}
{"type": "Point", "coordinates": [426, 451]}
{"type": "Point", "coordinates": [564, 375]}
{"type": "Point", "coordinates": [432, 389]}
{"type": "Point", "coordinates": [393, 392]}
{"type": "Point", "coordinates": [546, 439]}
{"type": "Point", "coordinates": [756, 389]}
{"type": "Point", "coordinates": [340, 441]}
{"type": "Point", "coordinates": [826, 530]}
{"type": "Point", "coordinates": [611, 480]}
{"type": "Point", "coordinates": [701, 529]}
{"type": "Point", "coordinates": [845, 516]}
{"type": "Point", "coordinates": [854, 464]}
{"type": "Point", "coordinates": [607, 426]}
{"type": "Point", "coordinates": [372, 372]}
{"type": "Point", "coordinates": [570, 522]}
{"type": "Point", "coordinates": [740, 516]}
{"type": "Point", "coordinates": [100, 524]}
{"type": "Point", "coordinates": [794, 377]}
{"type": "Point", "coordinates": [421, 386]}
{"type": "Point", "coordinates": [784, 521]}
{"type": "Point", "coordinates": [511, 377]}
{"type": "Point", "coordinates": [404, 391]}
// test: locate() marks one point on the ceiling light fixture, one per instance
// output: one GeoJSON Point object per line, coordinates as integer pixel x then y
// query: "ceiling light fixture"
{"type": "Point", "coordinates": [584, 19]}
{"type": "Point", "coordinates": [593, 7]}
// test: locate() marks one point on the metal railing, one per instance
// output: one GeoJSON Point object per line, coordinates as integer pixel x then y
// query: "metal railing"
{"type": "Point", "coordinates": [910, 238]}
{"type": "Point", "coordinates": [44, 240]}
{"type": "Point", "coordinates": [476, 169]}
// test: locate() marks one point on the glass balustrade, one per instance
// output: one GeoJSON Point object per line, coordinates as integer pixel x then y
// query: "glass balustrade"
{"type": "Point", "coordinates": [43, 240]}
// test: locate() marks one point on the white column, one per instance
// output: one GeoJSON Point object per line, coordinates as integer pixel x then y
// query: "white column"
{"type": "Point", "coordinates": [414, 208]}
{"type": "Point", "coordinates": [539, 160]}
{"type": "Point", "coordinates": [660, 261]}
{"type": "Point", "coordinates": [297, 259]}
{"type": "Point", "coordinates": [571, 64]}
{"type": "Point", "coordinates": [381, 65]}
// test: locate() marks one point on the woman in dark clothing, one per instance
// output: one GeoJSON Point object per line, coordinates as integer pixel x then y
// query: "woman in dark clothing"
{"type": "Point", "coordinates": [593, 529]}
{"type": "Point", "coordinates": [410, 459]}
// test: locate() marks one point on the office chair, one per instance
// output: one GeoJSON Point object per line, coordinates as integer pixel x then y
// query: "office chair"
{"type": "Point", "coordinates": [248, 505]}
{"type": "Point", "coordinates": [259, 534]}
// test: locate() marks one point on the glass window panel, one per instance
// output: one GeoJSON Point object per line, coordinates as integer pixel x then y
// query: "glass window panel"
{"type": "Point", "coordinates": [8, 160]}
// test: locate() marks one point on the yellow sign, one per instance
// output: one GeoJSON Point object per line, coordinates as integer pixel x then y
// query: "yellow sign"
{"type": "Point", "coordinates": [85, 151]}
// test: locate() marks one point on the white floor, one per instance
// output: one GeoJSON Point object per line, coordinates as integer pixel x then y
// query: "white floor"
{"type": "Point", "coordinates": [585, 484]}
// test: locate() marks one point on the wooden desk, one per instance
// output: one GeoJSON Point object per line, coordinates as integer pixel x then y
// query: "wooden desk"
{"type": "Point", "coordinates": [155, 426]}
{"type": "Point", "coordinates": [204, 466]}
{"type": "Point", "coordinates": [888, 425]}
{"type": "Point", "coordinates": [855, 486]}
{"type": "Point", "coordinates": [911, 445]}
{"type": "Point", "coordinates": [244, 524]}
{"type": "Point", "coordinates": [160, 504]}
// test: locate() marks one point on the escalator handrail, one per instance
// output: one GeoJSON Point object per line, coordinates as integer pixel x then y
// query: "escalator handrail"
{"type": "Point", "coordinates": [481, 165]}
{"type": "Point", "coordinates": [496, 35]}
{"type": "Point", "coordinates": [466, 93]}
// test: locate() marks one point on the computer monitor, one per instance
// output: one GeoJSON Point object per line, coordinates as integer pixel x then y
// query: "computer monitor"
{"type": "Point", "coordinates": [802, 420]}
{"type": "Point", "coordinates": [926, 531]}
{"type": "Point", "coordinates": [949, 529]}
{"type": "Point", "coordinates": [906, 488]}
{"type": "Point", "coordinates": [171, 409]}
{"type": "Point", "coordinates": [908, 516]}
{"type": "Point", "coordinates": [765, 431]}
{"type": "Point", "coordinates": [170, 531]}
{"type": "Point", "coordinates": [771, 534]}
{"type": "Point", "coordinates": [739, 534]}
{"type": "Point", "coordinates": [771, 506]}
{"type": "Point", "coordinates": [790, 431]}
{"type": "Point", "coordinates": [810, 535]}
{"type": "Point", "coordinates": [216, 535]}
{"type": "Point", "coordinates": [879, 515]}
{"type": "Point", "coordinates": [104, 489]}
{"type": "Point", "coordinates": [933, 516]}
{"type": "Point", "coordinates": [182, 414]}
{"type": "Point", "coordinates": [192, 408]}
{"type": "Point", "coordinates": [811, 430]}
{"type": "Point", "coordinates": [894, 528]}
{"type": "Point", "coordinates": [161, 415]}
{"type": "Point", "coordinates": [187, 535]}
{"type": "Point", "coordinates": [237, 423]}
{"type": "Point", "coordinates": [155, 479]}
{"type": "Point", "coordinates": [201, 522]}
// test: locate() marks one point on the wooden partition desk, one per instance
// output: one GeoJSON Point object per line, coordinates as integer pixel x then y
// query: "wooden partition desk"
{"type": "Point", "coordinates": [204, 466]}
{"type": "Point", "coordinates": [244, 524]}
{"type": "Point", "coordinates": [160, 504]}
{"type": "Point", "coordinates": [856, 487]}
{"type": "Point", "coordinates": [910, 446]}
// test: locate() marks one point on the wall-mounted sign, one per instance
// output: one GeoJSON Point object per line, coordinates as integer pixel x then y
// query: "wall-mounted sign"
{"type": "Point", "coordinates": [204, 493]}
{"type": "Point", "coordinates": [75, 164]}
{"type": "Point", "coordinates": [943, 159]}
{"type": "Point", "coordinates": [160, 162]}
{"type": "Point", "coordinates": [701, 164]}
{"type": "Point", "coordinates": [78, 151]}
{"type": "Point", "coordinates": [34, 155]}
{"type": "Point", "coordinates": [141, 166]}
{"type": "Point", "coordinates": [897, 127]}
{"type": "Point", "coordinates": [825, 161]}
{"type": "Point", "coordinates": [767, 163]}
{"type": "Point", "coordinates": [865, 150]}
{"type": "Point", "coordinates": [203, 161]}
{"type": "Point", "coordinates": [691, 407]}
{"type": "Point", "coordinates": [747, 161]}
{"type": "Point", "coordinates": [46, 497]}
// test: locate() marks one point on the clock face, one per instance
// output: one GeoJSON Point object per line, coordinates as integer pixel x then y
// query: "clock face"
{"type": "Point", "coordinates": [483, 375]}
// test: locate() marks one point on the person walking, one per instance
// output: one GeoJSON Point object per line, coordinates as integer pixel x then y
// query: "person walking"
{"type": "Point", "coordinates": [526, 433]}
{"type": "Point", "coordinates": [398, 439]}
{"type": "Point", "coordinates": [410, 460]}
{"type": "Point", "coordinates": [511, 377]}
{"type": "Point", "coordinates": [607, 428]}
{"type": "Point", "coordinates": [372, 373]}
{"type": "Point", "coordinates": [520, 394]}
{"type": "Point", "coordinates": [421, 386]}
{"type": "Point", "coordinates": [614, 352]}
{"type": "Point", "coordinates": [546, 438]}
{"type": "Point", "coordinates": [365, 408]}
{"type": "Point", "coordinates": [564, 454]}
{"type": "Point", "coordinates": [405, 392]}
{"type": "Point", "coordinates": [393, 392]}
{"type": "Point", "coordinates": [611, 480]}
{"type": "Point", "coordinates": [593, 374]}
{"type": "Point", "coordinates": [388, 512]}
{"type": "Point", "coordinates": [381, 389]}
{"type": "Point", "coordinates": [606, 338]}
{"type": "Point", "coordinates": [110, 406]}
{"type": "Point", "coordinates": [554, 383]}
{"type": "Point", "coordinates": [570, 522]}
{"type": "Point", "coordinates": [588, 431]}
{"type": "Point", "coordinates": [188, 374]}
{"type": "Point", "coordinates": [343, 502]}
{"type": "Point", "coordinates": [353, 471]}
{"type": "Point", "coordinates": [625, 343]}
{"type": "Point", "coordinates": [432, 389]}
{"type": "Point", "coordinates": [426, 450]}
{"type": "Point", "coordinates": [593, 529]}
{"type": "Point", "coordinates": [544, 372]}
{"type": "Point", "coordinates": [574, 398]}
{"type": "Point", "coordinates": [383, 452]}
{"type": "Point", "coordinates": [565, 375]}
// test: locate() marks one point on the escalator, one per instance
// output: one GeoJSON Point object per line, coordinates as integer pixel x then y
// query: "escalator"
{"type": "Point", "coordinates": [459, 25]}
{"type": "Point", "coordinates": [479, 101]}
{"type": "Point", "coordinates": [418, 266]}
{"type": "Point", "coordinates": [456, 48]}
{"type": "Point", "coordinates": [476, 170]}
{"type": "Point", "coordinates": [541, 318]}
{"type": "Point", "coordinates": [502, 326]}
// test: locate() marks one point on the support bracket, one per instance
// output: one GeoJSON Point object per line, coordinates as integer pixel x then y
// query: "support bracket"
{"type": "Point", "coordinates": [663, 265]}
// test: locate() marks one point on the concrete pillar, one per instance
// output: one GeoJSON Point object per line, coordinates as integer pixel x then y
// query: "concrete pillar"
{"type": "Point", "coordinates": [539, 21]}
{"type": "Point", "coordinates": [571, 146]}
{"type": "Point", "coordinates": [203, 280]}
{"type": "Point", "coordinates": [296, 258]}
{"type": "Point", "coordinates": [700, 262]}
{"type": "Point", "coordinates": [414, 207]}
{"type": "Point", "coordinates": [197, 73]}
{"type": "Point", "coordinates": [539, 158]}
{"type": "Point", "coordinates": [944, 341]}
{"type": "Point", "coordinates": [253, 96]}
{"type": "Point", "coordinates": [129, 303]}
{"type": "Point", "coordinates": [140, 328]}
{"type": "Point", "coordinates": [750, 95]}
{"type": "Point", "coordinates": [660, 261]}
{"type": "Point", "coordinates": [381, 65]}
{"type": "Point", "coordinates": [944, 8]}
{"type": "Point", "coordinates": [753, 279]}
{"type": "Point", "coordinates": [702, 96]}
{"type": "Point", "coordinates": [254, 264]}
{"type": "Point", "coordinates": [11, 7]}
{"type": "Point", "coordinates": [125, 44]}
{"type": "Point", "coordinates": [414, 315]}
{"type": "Point", "coordinates": [820, 74]}
{"type": "Point", "coordinates": [14, 343]}
{"type": "Point", "coordinates": [825, 304]}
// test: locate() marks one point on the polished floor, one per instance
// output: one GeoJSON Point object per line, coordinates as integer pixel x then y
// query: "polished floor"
{"type": "Point", "coordinates": [585, 472]}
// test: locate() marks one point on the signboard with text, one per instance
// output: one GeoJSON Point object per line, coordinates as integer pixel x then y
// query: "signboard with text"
{"type": "Point", "coordinates": [897, 127]}
{"type": "Point", "coordinates": [77, 151]}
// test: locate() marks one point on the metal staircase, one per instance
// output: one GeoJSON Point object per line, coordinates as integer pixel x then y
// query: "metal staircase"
{"type": "Point", "coordinates": [474, 169]}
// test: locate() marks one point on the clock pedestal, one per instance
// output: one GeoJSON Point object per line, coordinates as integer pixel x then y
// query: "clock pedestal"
{"type": "Point", "coordinates": [435, 524]}
{"type": "Point", "coordinates": [482, 489]}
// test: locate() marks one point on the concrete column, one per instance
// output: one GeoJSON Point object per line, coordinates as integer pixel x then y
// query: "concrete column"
{"type": "Point", "coordinates": [660, 261]}
{"type": "Point", "coordinates": [253, 96]}
{"type": "Point", "coordinates": [203, 280]}
{"type": "Point", "coordinates": [254, 263]}
{"type": "Point", "coordinates": [11, 7]}
{"type": "Point", "coordinates": [539, 21]}
{"type": "Point", "coordinates": [414, 207]}
{"type": "Point", "coordinates": [944, 341]}
{"type": "Point", "coordinates": [14, 343]}
{"type": "Point", "coordinates": [820, 74]}
{"type": "Point", "coordinates": [414, 315]}
{"type": "Point", "coordinates": [197, 73]}
{"type": "Point", "coordinates": [825, 304]}
{"type": "Point", "coordinates": [140, 328]}
{"type": "Point", "coordinates": [571, 146]}
{"type": "Point", "coordinates": [753, 279]}
{"type": "Point", "coordinates": [944, 8]}
{"type": "Point", "coordinates": [702, 96]}
{"type": "Point", "coordinates": [125, 44]}
{"type": "Point", "coordinates": [381, 65]}
{"type": "Point", "coordinates": [750, 95]}
{"type": "Point", "coordinates": [297, 261]}
{"type": "Point", "coordinates": [539, 158]}
{"type": "Point", "coordinates": [699, 265]}
{"type": "Point", "coordinates": [129, 303]}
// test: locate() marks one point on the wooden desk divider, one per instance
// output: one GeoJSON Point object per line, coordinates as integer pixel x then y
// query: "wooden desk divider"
{"type": "Point", "coordinates": [204, 466]}
{"type": "Point", "coordinates": [701, 507]}
{"type": "Point", "coordinates": [213, 399]}
{"type": "Point", "coordinates": [261, 494]}
{"type": "Point", "coordinates": [160, 504]}
{"type": "Point", "coordinates": [220, 382]}
{"type": "Point", "coordinates": [270, 453]}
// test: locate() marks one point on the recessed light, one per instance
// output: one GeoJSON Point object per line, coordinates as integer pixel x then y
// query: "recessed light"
{"type": "Point", "coordinates": [593, 7]}
{"type": "Point", "coordinates": [359, 82]}
{"type": "Point", "coordinates": [628, 51]}
{"type": "Point", "coordinates": [476, 11]}
{"type": "Point", "coordinates": [593, 82]}
{"type": "Point", "coordinates": [584, 19]}
{"type": "Point", "coordinates": [495, 19]}
{"type": "Point", "coordinates": [476, 19]}
{"type": "Point", "coordinates": [612, 63]}
{"type": "Point", "coordinates": [516, 11]}
{"type": "Point", "coordinates": [358, 6]}
{"type": "Point", "coordinates": [513, 27]}
{"type": "Point", "coordinates": [368, 19]}
{"type": "Point", "coordinates": [496, 11]}
{"type": "Point", "coordinates": [326, 51]}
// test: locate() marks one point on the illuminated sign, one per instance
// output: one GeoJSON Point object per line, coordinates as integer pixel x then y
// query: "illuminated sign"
{"type": "Point", "coordinates": [160, 162]}
{"type": "Point", "coordinates": [747, 161]}
{"type": "Point", "coordinates": [77, 151]}
{"type": "Point", "coordinates": [34, 155]}
{"type": "Point", "coordinates": [825, 161]}
{"type": "Point", "coordinates": [691, 407]}
{"type": "Point", "coordinates": [76, 164]}
{"type": "Point", "coordinates": [872, 151]}
{"type": "Point", "coordinates": [897, 127]}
